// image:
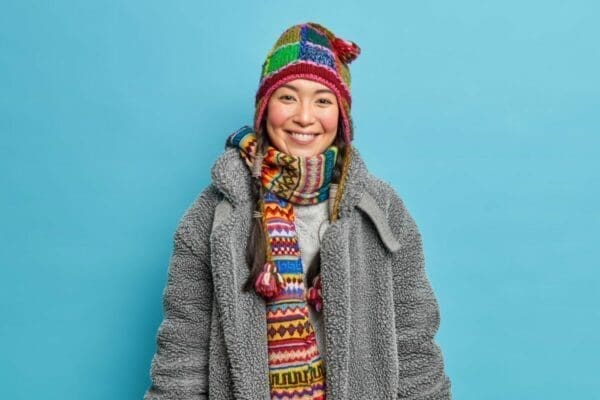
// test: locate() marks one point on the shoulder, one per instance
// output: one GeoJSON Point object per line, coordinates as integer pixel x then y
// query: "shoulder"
{"type": "Point", "coordinates": [195, 225]}
{"type": "Point", "coordinates": [379, 189]}
{"type": "Point", "coordinates": [392, 206]}
{"type": "Point", "coordinates": [229, 181]}
{"type": "Point", "coordinates": [231, 176]}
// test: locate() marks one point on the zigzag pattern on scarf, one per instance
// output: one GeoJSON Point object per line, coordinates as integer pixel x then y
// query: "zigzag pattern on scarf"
{"type": "Point", "coordinates": [296, 369]}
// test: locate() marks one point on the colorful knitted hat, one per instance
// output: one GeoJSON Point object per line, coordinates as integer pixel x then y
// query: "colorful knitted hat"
{"type": "Point", "coordinates": [309, 51]}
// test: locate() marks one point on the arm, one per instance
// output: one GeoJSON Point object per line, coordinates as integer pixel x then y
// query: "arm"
{"type": "Point", "coordinates": [179, 366]}
{"type": "Point", "coordinates": [417, 316]}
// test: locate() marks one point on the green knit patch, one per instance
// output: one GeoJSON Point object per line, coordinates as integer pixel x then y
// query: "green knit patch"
{"type": "Point", "coordinates": [315, 37]}
{"type": "Point", "coordinates": [282, 57]}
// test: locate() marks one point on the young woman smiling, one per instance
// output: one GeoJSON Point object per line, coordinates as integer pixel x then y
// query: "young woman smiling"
{"type": "Point", "coordinates": [302, 118]}
{"type": "Point", "coordinates": [297, 274]}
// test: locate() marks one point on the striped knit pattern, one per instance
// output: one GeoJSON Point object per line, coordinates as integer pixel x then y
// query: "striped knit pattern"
{"type": "Point", "coordinates": [301, 180]}
{"type": "Point", "coordinates": [309, 51]}
{"type": "Point", "coordinates": [296, 370]}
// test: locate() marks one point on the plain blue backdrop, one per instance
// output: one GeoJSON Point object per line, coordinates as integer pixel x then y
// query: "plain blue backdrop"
{"type": "Point", "coordinates": [483, 115]}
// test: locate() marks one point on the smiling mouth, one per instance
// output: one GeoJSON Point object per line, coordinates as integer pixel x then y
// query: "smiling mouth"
{"type": "Point", "coordinates": [302, 137]}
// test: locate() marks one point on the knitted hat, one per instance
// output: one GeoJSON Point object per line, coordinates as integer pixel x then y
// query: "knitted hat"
{"type": "Point", "coordinates": [309, 51]}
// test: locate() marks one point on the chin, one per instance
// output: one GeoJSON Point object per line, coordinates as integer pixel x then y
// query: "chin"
{"type": "Point", "coordinates": [304, 152]}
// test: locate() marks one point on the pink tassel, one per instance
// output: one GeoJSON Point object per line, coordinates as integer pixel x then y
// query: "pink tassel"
{"type": "Point", "coordinates": [269, 282]}
{"type": "Point", "coordinates": [314, 294]}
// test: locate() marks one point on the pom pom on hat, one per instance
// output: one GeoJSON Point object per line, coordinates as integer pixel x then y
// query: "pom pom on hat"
{"type": "Point", "coordinates": [346, 50]}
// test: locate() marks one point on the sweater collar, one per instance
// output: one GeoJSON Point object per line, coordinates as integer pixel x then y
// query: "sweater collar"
{"type": "Point", "coordinates": [231, 176]}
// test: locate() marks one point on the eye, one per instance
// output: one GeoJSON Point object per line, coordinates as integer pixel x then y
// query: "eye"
{"type": "Point", "coordinates": [286, 97]}
{"type": "Point", "coordinates": [324, 100]}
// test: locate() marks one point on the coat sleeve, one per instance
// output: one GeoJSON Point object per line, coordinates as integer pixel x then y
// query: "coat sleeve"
{"type": "Point", "coordinates": [179, 367]}
{"type": "Point", "coordinates": [417, 316]}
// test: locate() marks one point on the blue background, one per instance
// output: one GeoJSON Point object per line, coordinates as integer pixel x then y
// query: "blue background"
{"type": "Point", "coordinates": [483, 115]}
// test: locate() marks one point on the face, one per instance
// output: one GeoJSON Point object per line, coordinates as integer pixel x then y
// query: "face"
{"type": "Point", "coordinates": [302, 118]}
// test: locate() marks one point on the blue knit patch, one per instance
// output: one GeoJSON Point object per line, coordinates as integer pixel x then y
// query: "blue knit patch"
{"type": "Point", "coordinates": [289, 266]}
{"type": "Point", "coordinates": [311, 52]}
{"type": "Point", "coordinates": [316, 54]}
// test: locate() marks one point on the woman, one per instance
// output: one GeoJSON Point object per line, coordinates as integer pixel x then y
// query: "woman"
{"type": "Point", "coordinates": [296, 274]}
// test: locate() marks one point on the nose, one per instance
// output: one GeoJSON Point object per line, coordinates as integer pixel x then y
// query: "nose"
{"type": "Point", "coordinates": [304, 116]}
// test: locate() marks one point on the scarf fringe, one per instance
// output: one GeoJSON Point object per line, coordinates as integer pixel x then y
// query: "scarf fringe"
{"type": "Point", "coordinates": [269, 282]}
{"type": "Point", "coordinates": [313, 294]}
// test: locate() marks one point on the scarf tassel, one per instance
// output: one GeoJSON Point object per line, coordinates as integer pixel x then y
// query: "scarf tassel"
{"type": "Point", "coordinates": [313, 294]}
{"type": "Point", "coordinates": [269, 282]}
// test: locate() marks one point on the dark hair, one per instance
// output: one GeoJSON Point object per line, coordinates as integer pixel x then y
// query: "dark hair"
{"type": "Point", "coordinates": [257, 241]}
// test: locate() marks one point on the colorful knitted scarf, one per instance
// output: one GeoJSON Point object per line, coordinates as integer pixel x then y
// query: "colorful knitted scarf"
{"type": "Point", "coordinates": [296, 369]}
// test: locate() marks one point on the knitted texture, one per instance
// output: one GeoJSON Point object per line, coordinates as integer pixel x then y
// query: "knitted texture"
{"type": "Point", "coordinates": [311, 223]}
{"type": "Point", "coordinates": [295, 366]}
{"type": "Point", "coordinates": [309, 51]}
{"type": "Point", "coordinates": [301, 180]}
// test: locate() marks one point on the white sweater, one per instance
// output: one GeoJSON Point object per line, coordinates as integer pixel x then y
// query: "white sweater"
{"type": "Point", "coordinates": [311, 222]}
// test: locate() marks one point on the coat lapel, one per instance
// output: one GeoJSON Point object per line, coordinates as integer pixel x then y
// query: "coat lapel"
{"type": "Point", "coordinates": [335, 270]}
{"type": "Point", "coordinates": [243, 314]}
{"type": "Point", "coordinates": [335, 275]}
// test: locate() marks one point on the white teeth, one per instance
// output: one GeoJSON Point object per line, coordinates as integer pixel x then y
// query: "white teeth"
{"type": "Point", "coordinates": [302, 135]}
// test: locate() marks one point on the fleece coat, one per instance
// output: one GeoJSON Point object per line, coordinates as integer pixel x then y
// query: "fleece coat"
{"type": "Point", "coordinates": [380, 312]}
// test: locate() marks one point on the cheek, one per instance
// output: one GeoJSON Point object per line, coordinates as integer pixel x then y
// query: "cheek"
{"type": "Point", "coordinates": [276, 115]}
{"type": "Point", "coordinates": [330, 121]}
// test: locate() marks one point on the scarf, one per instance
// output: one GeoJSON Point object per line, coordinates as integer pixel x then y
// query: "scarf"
{"type": "Point", "coordinates": [296, 369]}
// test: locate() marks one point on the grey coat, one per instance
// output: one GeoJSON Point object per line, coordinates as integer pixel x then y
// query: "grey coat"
{"type": "Point", "coordinates": [380, 312]}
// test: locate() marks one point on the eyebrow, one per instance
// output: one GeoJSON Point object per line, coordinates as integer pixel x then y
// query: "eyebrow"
{"type": "Point", "coordinates": [287, 85]}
